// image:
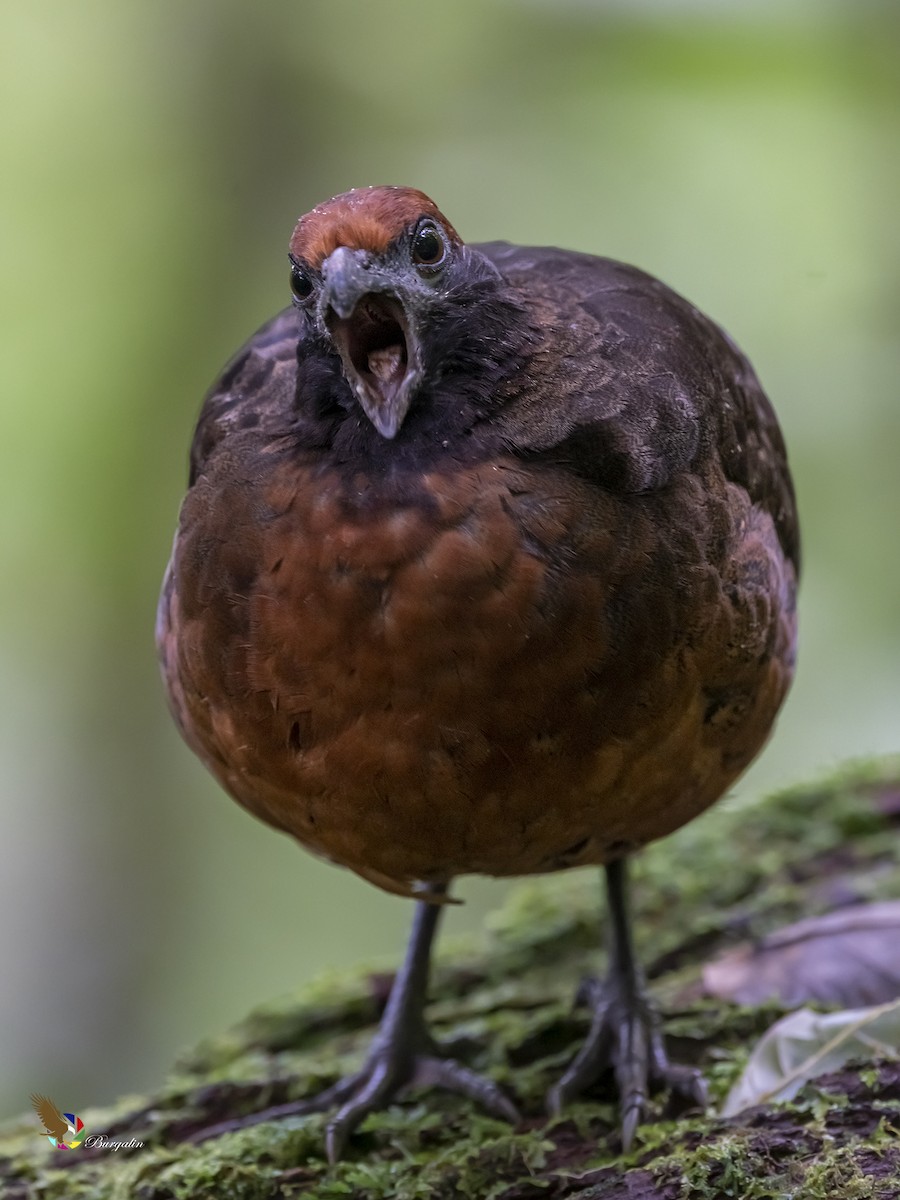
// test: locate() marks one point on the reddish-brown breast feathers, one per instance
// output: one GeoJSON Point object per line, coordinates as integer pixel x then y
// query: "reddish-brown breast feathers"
{"type": "Point", "coordinates": [363, 219]}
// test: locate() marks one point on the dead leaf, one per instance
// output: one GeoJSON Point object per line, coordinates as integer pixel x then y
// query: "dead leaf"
{"type": "Point", "coordinates": [806, 1044]}
{"type": "Point", "coordinates": [850, 957]}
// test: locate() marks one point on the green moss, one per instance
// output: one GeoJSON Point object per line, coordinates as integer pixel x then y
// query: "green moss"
{"type": "Point", "coordinates": [847, 1172]}
{"type": "Point", "coordinates": [507, 1007]}
{"type": "Point", "coordinates": [726, 1168]}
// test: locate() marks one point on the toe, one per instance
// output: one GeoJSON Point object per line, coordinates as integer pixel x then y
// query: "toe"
{"type": "Point", "coordinates": [377, 1090]}
{"type": "Point", "coordinates": [686, 1087]}
{"type": "Point", "coordinates": [386, 1077]}
{"type": "Point", "coordinates": [590, 1061]}
{"type": "Point", "coordinates": [632, 1062]}
{"type": "Point", "coordinates": [454, 1077]}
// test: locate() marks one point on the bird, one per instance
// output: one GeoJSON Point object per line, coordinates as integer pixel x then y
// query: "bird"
{"type": "Point", "coordinates": [487, 565]}
{"type": "Point", "coordinates": [55, 1124]}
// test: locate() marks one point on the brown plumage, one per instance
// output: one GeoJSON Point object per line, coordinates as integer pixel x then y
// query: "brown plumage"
{"type": "Point", "coordinates": [364, 219]}
{"type": "Point", "coordinates": [55, 1124]}
{"type": "Point", "coordinates": [488, 564]}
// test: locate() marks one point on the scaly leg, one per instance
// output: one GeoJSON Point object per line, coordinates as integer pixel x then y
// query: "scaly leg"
{"type": "Point", "coordinates": [402, 1052]}
{"type": "Point", "coordinates": [624, 1033]}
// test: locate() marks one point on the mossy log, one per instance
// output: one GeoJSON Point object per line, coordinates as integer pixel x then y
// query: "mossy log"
{"type": "Point", "coordinates": [506, 1005]}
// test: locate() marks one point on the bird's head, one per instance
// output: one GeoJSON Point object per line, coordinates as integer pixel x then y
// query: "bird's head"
{"type": "Point", "coordinates": [371, 267]}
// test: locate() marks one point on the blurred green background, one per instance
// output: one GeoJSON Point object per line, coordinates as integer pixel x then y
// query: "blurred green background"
{"type": "Point", "coordinates": [154, 159]}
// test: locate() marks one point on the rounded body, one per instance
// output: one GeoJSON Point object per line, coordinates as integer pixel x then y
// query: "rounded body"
{"type": "Point", "coordinates": [451, 655]}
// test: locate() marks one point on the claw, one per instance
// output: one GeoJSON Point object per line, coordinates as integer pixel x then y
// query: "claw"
{"type": "Point", "coordinates": [590, 1062]}
{"type": "Point", "coordinates": [377, 1089]}
{"type": "Point", "coordinates": [454, 1077]}
{"type": "Point", "coordinates": [687, 1088]}
{"type": "Point", "coordinates": [631, 1118]}
{"type": "Point", "coordinates": [632, 1073]}
{"type": "Point", "coordinates": [624, 1034]}
{"type": "Point", "coordinates": [386, 1076]}
{"type": "Point", "coordinates": [402, 1054]}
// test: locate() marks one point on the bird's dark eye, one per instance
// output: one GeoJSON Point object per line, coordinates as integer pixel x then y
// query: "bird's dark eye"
{"type": "Point", "coordinates": [301, 284]}
{"type": "Point", "coordinates": [428, 248]}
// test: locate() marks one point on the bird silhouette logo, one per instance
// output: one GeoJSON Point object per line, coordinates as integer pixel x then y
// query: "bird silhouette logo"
{"type": "Point", "coordinates": [65, 1131]}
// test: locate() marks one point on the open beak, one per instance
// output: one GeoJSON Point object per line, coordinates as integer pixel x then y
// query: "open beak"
{"type": "Point", "coordinates": [363, 311]}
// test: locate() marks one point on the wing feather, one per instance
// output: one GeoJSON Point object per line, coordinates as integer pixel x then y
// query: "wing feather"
{"type": "Point", "coordinates": [257, 384]}
{"type": "Point", "coordinates": [650, 384]}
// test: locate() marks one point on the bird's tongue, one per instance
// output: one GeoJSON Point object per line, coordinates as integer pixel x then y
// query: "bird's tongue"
{"type": "Point", "coordinates": [387, 363]}
{"type": "Point", "coordinates": [380, 358]}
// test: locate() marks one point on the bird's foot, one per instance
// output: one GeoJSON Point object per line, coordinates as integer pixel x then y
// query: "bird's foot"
{"type": "Point", "coordinates": [625, 1037]}
{"type": "Point", "coordinates": [393, 1065]}
{"type": "Point", "coordinates": [389, 1070]}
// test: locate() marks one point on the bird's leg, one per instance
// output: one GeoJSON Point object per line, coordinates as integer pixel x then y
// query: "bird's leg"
{"type": "Point", "coordinates": [403, 1052]}
{"type": "Point", "coordinates": [625, 1033]}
